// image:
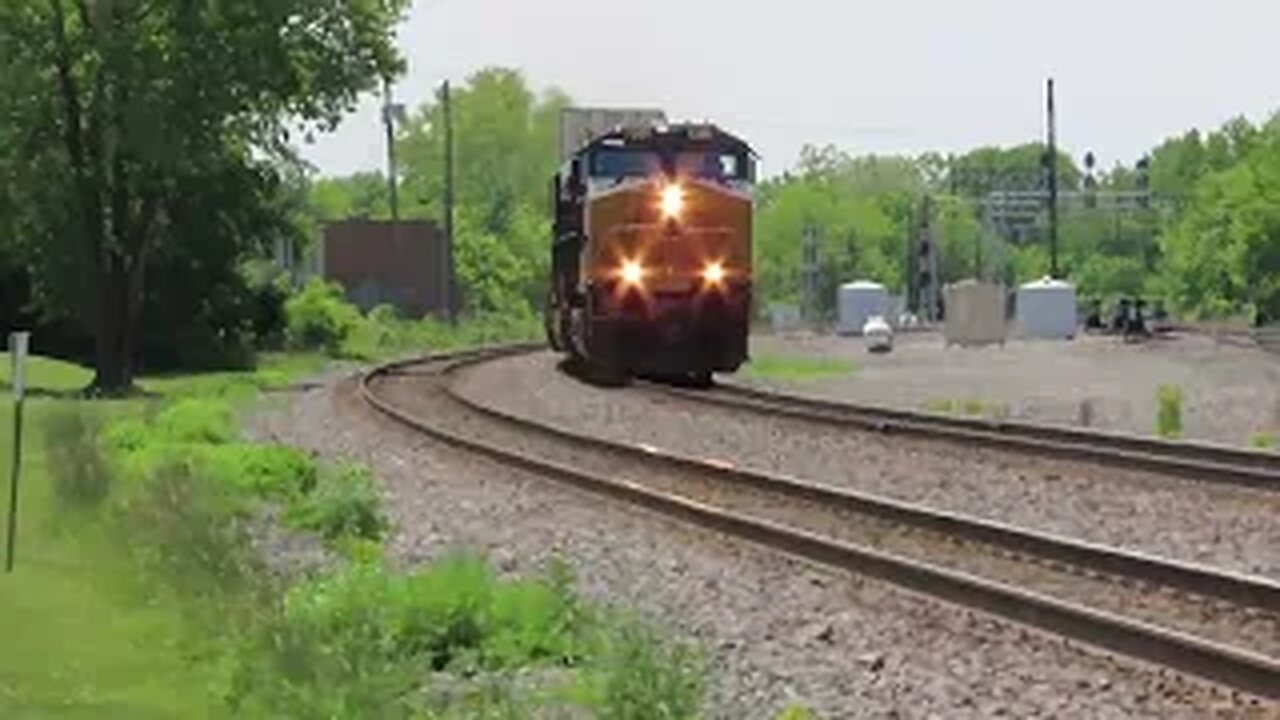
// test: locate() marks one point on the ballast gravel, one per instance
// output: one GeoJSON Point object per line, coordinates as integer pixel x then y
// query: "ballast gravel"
{"type": "Point", "coordinates": [1220, 525]}
{"type": "Point", "coordinates": [776, 631]}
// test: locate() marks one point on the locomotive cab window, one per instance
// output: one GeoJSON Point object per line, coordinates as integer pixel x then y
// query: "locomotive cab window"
{"type": "Point", "coordinates": [616, 163]}
{"type": "Point", "coordinates": [713, 165]}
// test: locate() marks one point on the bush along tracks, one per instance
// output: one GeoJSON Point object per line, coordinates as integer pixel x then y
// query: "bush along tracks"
{"type": "Point", "coordinates": [278, 561]}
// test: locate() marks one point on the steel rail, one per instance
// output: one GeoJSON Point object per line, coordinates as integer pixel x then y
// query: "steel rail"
{"type": "Point", "coordinates": [1246, 671]}
{"type": "Point", "coordinates": [1196, 460]}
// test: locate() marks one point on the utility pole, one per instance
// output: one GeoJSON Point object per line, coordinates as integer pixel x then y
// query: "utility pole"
{"type": "Point", "coordinates": [1052, 163]}
{"type": "Point", "coordinates": [389, 112]}
{"type": "Point", "coordinates": [450, 284]}
{"type": "Point", "coordinates": [810, 272]}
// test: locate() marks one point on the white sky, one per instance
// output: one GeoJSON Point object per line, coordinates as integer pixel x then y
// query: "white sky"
{"type": "Point", "coordinates": [887, 76]}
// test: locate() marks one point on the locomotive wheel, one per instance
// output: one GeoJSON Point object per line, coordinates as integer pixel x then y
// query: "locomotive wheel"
{"type": "Point", "coordinates": [701, 379]}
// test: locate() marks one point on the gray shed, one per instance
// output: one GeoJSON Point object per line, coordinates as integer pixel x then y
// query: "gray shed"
{"type": "Point", "coordinates": [1046, 308]}
{"type": "Point", "coordinates": [858, 301]}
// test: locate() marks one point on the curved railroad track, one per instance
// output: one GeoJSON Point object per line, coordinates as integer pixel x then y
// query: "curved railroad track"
{"type": "Point", "coordinates": [1214, 625]}
{"type": "Point", "coordinates": [1196, 460]}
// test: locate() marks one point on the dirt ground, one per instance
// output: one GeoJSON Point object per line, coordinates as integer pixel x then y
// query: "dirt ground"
{"type": "Point", "coordinates": [1230, 392]}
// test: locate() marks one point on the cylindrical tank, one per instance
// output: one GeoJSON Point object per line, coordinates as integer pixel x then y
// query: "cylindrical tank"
{"type": "Point", "coordinates": [857, 301]}
{"type": "Point", "coordinates": [1046, 308]}
{"type": "Point", "coordinates": [975, 313]}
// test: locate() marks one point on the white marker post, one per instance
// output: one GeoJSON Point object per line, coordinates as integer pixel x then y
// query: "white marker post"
{"type": "Point", "coordinates": [18, 351]}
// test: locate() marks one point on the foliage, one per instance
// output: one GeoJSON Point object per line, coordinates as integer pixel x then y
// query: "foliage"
{"type": "Point", "coordinates": [354, 644]}
{"type": "Point", "coordinates": [319, 317]}
{"type": "Point", "coordinates": [508, 137]}
{"type": "Point", "coordinates": [343, 503]}
{"type": "Point", "coordinates": [1223, 255]}
{"type": "Point", "coordinates": [153, 138]}
{"type": "Point", "coordinates": [1169, 411]}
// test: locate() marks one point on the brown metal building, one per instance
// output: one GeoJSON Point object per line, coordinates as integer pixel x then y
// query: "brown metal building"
{"type": "Point", "coordinates": [377, 261]}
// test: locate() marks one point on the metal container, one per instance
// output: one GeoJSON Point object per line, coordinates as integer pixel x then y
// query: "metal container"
{"type": "Point", "coordinates": [1046, 309]}
{"type": "Point", "coordinates": [856, 302]}
{"type": "Point", "coordinates": [975, 313]}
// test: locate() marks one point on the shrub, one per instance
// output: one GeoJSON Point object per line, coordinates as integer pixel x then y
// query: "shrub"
{"type": "Point", "coordinates": [639, 677]}
{"type": "Point", "coordinates": [195, 420]}
{"type": "Point", "coordinates": [80, 473]}
{"type": "Point", "coordinates": [319, 318]}
{"type": "Point", "coordinates": [361, 643]}
{"type": "Point", "coordinates": [1169, 413]}
{"type": "Point", "coordinates": [355, 643]}
{"type": "Point", "coordinates": [264, 470]}
{"type": "Point", "coordinates": [189, 531]}
{"type": "Point", "coordinates": [345, 503]}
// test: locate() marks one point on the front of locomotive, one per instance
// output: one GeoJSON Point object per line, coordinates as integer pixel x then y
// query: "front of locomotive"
{"type": "Point", "coordinates": [669, 215]}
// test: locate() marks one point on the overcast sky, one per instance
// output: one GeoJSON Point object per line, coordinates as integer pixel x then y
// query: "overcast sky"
{"type": "Point", "coordinates": [884, 76]}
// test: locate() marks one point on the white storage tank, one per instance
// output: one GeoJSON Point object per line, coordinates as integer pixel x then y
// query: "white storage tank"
{"type": "Point", "coordinates": [1046, 308]}
{"type": "Point", "coordinates": [975, 313]}
{"type": "Point", "coordinates": [858, 301]}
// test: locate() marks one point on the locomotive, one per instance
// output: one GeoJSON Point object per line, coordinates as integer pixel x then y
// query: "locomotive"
{"type": "Point", "coordinates": [651, 255]}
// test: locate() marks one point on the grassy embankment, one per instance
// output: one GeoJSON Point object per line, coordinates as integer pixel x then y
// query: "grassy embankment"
{"type": "Point", "coordinates": [138, 592]}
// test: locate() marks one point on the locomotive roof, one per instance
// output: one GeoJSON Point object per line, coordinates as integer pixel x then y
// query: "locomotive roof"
{"type": "Point", "coordinates": [669, 136]}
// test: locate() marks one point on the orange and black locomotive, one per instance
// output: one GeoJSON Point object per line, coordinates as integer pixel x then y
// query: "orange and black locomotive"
{"type": "Point", "coordinates": [651, 259]}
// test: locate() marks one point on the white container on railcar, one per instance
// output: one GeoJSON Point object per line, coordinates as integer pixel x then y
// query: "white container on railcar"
{"type": "Point", "coordinates": [1046, 309]}
{"type": "Point", "coordinates": [856, 302]}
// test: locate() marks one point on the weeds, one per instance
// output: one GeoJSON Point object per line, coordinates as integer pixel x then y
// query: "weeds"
{"type": "Point", "coordinates": [797, 369]}
{"type": "Point", "coordinates": [972, 407]}
{"type": "Point", "coordinates": [190, 533]}
{"type": "Point", "coordinates": [1265, 441]}
{"type": "Point", "coordinates": [344, 503]}
{"type": "Point", "coordinates": [1169, 413]}
{"type": "Point", "coordinates": [80, 475]}
{"type": "Point", "coordinates": [360, 643]}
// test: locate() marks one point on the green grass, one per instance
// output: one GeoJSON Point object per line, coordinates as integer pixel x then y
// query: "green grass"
{"type": "Point", "coordinates": [44, 373]}
{"type": "Point", "coordinates": [137, 594]}
{"type": "Point", "coordinates": [1265, 441]}
{"type": "Point", "coordinates": [80, 637]}
{"type": "Point", "coordinates": [797, 369]}
{"type": "Point", "coordinates": [972, 407]}
{"type": "Point", "coordinates": [76, 640]}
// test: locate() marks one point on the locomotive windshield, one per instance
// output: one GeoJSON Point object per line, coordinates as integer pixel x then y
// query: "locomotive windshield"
{"type": "Point", "coordinates": [616, 163]}
{"type": "Point", "coordinates": [635, 162]}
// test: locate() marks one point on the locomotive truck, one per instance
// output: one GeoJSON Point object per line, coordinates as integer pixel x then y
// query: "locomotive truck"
{"type": "Point", "coordinates": [651, 258]}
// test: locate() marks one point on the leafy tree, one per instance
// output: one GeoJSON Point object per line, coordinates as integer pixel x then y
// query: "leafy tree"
{"type": "Point", "coordinates": [988, 169]}
{"type": "Point", "coordinates": [505, 140]}
{"type": "Point", "coordinates": [1223, 255]}
{"type": "Point", "coordinates": [146, 128]}
{"type": "Point", "coordinates": [505, 144]}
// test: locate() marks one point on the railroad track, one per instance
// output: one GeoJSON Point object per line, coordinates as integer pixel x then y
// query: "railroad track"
{"type": "Point", "coordinates": [1214, 625]}
{"type": "Point", "coordinates": [1196, 460]}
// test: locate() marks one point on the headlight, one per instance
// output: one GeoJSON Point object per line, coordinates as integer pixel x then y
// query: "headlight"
{"type": "Point", "coordinates": [672, 201]}
{"type": "Point", "coordinates": [713, 273]}
{"type": "Point", "coordinates": [631, 272]}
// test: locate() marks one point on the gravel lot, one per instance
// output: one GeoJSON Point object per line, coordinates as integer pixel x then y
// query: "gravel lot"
{"type": "Point", "coordinates": [1202, 522]}
{"type": "Point", "coordinates": [1229, 392]}
{"type": "Point", "coordinates": [778, 631]}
